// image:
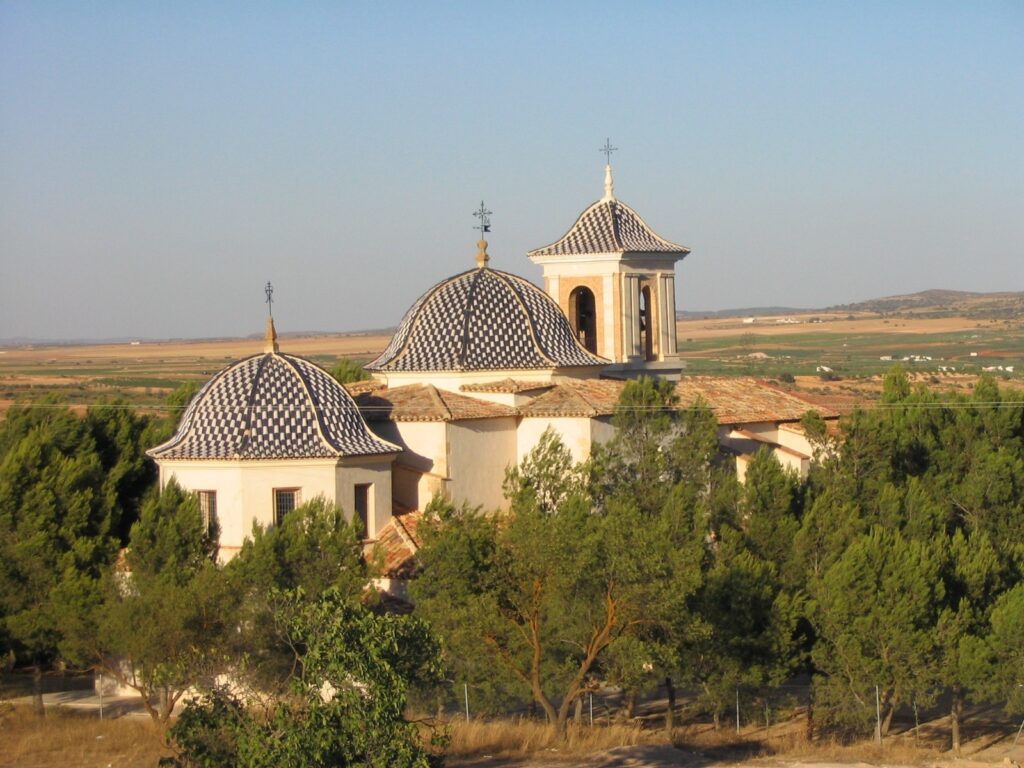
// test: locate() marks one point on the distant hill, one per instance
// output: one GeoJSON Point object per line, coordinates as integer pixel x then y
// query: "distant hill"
{"type": "Point", "coordinates": [932, 303]}
{"type": "Point", "coordinates": [941, 303]}
{"type": "Point", "coordinates": [742, 312]}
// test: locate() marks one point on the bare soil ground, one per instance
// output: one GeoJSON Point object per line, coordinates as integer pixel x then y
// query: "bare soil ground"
{"type": "Point", "coordinates": [77, 740]}
{"type": "Point", "coordinates": [851, 344]}
{"type": "Point", "coordinates": [838, 323]}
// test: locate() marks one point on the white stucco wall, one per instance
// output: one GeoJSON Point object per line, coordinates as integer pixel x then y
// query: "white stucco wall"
{"type": "Point", "coordinates": [792, 436]}
{"type": "Point", "coordinates": [479, 450]}
{"type": "Point", "coordinates": [365, 470]}
{"type": "Point", "coordinates": [576, 432]}
{"type": "Point", "coordinates": [423, 464]}
{"type": "Point", "coordinates": [245, 489]}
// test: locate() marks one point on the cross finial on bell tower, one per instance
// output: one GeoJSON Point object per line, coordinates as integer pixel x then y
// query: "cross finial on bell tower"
{"type": "Point", "coordinates": [607, 149]}
{"type": "Point", "coordinates": [484, 226]}
{"type": "Point", "coordinates": [270, 338]}
{"type": "Point", "coordinates": [609, 184]}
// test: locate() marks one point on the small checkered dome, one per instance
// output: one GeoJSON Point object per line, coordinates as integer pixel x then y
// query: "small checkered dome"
{"type": "Point", "coordinates": [484, 320]}
{"type": "Point", "coordinates": [272, 406]}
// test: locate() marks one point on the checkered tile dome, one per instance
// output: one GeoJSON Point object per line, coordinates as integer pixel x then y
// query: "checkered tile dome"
{"type": "Point", "coordinates": [609, 226]}
{"type": "Point", "coordinates": [484, 320]}
{"type": "Point", "coordinates": [271, 406]}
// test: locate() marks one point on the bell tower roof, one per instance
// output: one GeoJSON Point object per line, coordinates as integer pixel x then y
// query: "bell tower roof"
{"type": "Point", "coordinates": [609, 226]}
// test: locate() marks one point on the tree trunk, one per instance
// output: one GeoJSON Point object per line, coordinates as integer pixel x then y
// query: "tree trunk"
{"type": "Point", "coordinates": [630, 703]}
{"type": "Point", "coordinates": [956, 714]}
{"type": "Point", "coordinates": [165, 704]}
{"type": "Point", "coordinates": [578, 714]}
{"type": "Point", "coordinates": [37, 690]}
{"type": "Point", "coordinates": [891, 711]}
{"type": "Point", "coordinates": [716, 718]}
{"type": "Point", "coordinates": [670, 711]}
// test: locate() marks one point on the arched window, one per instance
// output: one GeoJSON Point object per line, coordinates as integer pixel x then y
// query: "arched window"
{"type": "Point", "coordinates": [583, 317]}
{"type": "Point", "coordinates": [646, 330]}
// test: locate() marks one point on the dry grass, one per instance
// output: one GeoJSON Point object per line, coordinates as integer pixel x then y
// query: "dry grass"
{"type": "Point", "coordinates": [75, 741]}
{"type": "Point", "coordinates": [525, 738]}
{"type": "Point", "coordinates": [787, 740]}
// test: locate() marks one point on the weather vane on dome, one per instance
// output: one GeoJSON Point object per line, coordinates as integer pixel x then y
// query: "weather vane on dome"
{"type": "Point", "coordinates": [269, 290]}
{"type": "Point", "coordinates": [607, 149]}
{"type": "Point", "coordinates": [485, 219]}
{"type": "Point", "coordinates": [484, 226]}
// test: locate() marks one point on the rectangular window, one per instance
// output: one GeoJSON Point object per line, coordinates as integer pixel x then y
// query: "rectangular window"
{"type": "Point", "coordinates": [285, 501]}
{"type": "Point", "coordinates": [208, 509]}
{"type": "Point", "coordinates": [363, 503]}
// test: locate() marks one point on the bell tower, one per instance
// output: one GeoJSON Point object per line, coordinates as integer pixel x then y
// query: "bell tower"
{"type": "Point", "coordinates": [615, 280]}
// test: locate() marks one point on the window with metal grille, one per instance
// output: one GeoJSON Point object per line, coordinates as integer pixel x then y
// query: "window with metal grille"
{"type": "Point", "coordinates": [208, 509]}
{"type": "Point", "coordinates": [285, 501]}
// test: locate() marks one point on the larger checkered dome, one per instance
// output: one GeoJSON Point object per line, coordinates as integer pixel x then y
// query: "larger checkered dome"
{"type": "Point", "coordinates": [609, 226]}
{"type": "Point", "coordinates": [272, 406]}
{"type": "Point", "coordinates": [484, 320]}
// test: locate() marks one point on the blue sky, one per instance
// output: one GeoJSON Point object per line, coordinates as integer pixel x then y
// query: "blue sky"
{"type": "Point", "coordinates": [159, 162]}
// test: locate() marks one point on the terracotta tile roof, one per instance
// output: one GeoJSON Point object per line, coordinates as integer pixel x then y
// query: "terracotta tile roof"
{"type": "Point", "coordinates": [366, 385]}
{"type": "Point", "coordinates": [506, 385]}
{"type": "Point", "coordinates": [744, 400]}
{"type": "Point", "coordinates": [425, 402]}
{"type": "Point", "coordinates": [397, 543]}
{"type": "Point", "coordinates": [734, 401]}
{"type": "Point", "coordinates": [578, 398]}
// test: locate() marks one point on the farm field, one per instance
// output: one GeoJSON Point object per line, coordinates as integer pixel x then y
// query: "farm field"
{"type": "Point", "coordinates": [836, 359]}
{"type": "Point", "coordinates": [145, 373]}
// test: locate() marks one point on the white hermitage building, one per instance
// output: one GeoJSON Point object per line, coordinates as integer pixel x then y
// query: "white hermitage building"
{"type": "Point", "coordinates": [481, 365]}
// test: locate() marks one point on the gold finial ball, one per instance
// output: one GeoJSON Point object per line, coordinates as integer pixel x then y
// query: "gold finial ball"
{"type": "Point", "coordinates": [481, 256]}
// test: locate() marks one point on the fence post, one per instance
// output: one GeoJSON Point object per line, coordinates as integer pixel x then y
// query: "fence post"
{"type": "Point", "coordinates": [737, 711]}
{"type": "Point", "coordinates": [591, 709]}
{"type": "Point", "coordinates": [465, 692]}
{"type": "Point", "coordinates": [878, 717]}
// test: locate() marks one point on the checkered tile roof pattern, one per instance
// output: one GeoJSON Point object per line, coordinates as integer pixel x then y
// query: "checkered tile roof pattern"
{"type": "Point", "coordinates": [609, 226]}
{"type": "Point", "coordinates": [272, 406]}
{"type": "Point", "coordinates": [483, 320]}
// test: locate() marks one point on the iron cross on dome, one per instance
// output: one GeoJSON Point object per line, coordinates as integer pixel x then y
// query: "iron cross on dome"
{"type": "Point", "coordinates": [608, 149]}
{"type": "Point", "coordinates": [269, 290]}
{"type": "Point", "coordinates": [485, 219]}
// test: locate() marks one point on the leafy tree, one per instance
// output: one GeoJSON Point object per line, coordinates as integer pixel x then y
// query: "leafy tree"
{"type": "Point", "coordinates": [875, 609]}
{"type": "Point", "coordinates": [164, 624]}
{"type": "Point", "coordinates": [347, 697]}
{"type": "Point", "coordinates": [769, 502]}
{"type": "Point", "coordinates": [56, 530]}
{"type": "Point", "coordinates": [996, 661]}
{"type": "Point", "coordinates": [121, 437]}
{"type": "Point", "coordinates": [347, 370]}
{"type": "Point", "coordinates": [313, 549]}
{"type": "Point", "coordinates": [974, 579]}
{"type": "Point", "coordinates": [546, 590]}
{"type": "Point", "coordinates": [745, 636]}
{"type": "Point", "coordinates": [946, 471]}
{"type": "Point", "coordinates": [664, 459]}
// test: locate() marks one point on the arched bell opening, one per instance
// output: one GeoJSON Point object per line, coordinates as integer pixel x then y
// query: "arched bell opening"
{"type": "Point", "coordinates": [646, 327]}
{"type": "Point", "coordinates": [583, 317]}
